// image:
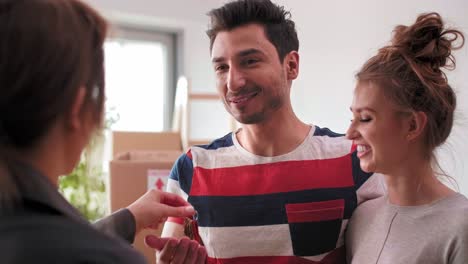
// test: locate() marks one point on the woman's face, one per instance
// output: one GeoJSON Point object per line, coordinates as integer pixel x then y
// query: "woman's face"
{"type": "Point", "coordinates": [378, 130]}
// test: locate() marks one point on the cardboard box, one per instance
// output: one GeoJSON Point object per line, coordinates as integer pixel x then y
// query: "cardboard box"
{"type": "Point", "coordinates": [131, 175]}
{"type": "Point", "coordinates": [132, 141]}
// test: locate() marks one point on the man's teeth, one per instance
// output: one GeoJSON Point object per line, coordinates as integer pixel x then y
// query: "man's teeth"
{"type": "Point", "coordinates": [361, 148]}
{"type": "Point", "coordinates": [241, 100]}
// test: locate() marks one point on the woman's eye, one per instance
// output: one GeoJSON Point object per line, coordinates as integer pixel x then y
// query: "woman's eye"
{"type": "Point", "coordinates": [366, 119]}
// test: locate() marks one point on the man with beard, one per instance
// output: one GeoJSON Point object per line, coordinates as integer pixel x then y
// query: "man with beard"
{"type": "Point", "coordinates": [278, 190]}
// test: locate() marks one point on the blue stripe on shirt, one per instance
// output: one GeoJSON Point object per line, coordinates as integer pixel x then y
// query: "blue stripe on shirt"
{"type": "Point", "coordinates": [256, 210]}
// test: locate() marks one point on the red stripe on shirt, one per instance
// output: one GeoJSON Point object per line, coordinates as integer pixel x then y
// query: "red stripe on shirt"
{"type": "Point", "coordinates": [338, 255]}
{"type": "Point", "coordinates": [261, 260]}
{"type": "Point", "coordinates": [315, 211]}
{"type": "Point", "coordinates": [273, 177]}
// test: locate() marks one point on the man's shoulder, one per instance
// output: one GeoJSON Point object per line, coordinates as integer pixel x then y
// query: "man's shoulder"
{"type": "Point", "coordinates": [319, 131]}
{"type": "Point", "coordinates": [185, 162]}
{"type": "Point", "coordinates": [58, 239]}
{"type": "Point", "coordinates": [210, 149]}
{"type": "Point", "coordinates": [325, 144]}
{"type": "Point", "coordinates": [327, 138]}
{"type": "Point", "coordinates": [222, 142]}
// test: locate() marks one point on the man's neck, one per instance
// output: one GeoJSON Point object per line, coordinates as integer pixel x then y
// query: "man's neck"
{"type": "Point", "coordinates": [273, 137]}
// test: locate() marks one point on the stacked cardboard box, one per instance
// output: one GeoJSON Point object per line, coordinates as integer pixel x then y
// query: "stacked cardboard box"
{"type": "Point", "coordinates": [134, 171]}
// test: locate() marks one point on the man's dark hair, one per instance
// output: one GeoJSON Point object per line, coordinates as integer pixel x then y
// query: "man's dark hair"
{"type": "Point", "coordinates": [279, 28]}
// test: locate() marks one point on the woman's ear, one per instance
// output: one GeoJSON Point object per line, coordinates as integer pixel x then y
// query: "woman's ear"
{"type": "Point", "coordinates": [75, 118]}
{"type": "Point", "coordinates": [417, 124]}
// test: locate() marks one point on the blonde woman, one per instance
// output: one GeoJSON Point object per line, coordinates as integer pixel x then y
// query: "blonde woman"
{"type": "Point", "coordinates": [403, 110]}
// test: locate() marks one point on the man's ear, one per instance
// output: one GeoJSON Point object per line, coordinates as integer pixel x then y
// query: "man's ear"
{"type": "Point", "coordinates": [75, 118]}
{"type": "Point", "coordinates": [292, 65]}
{"type": "Point", "coordinates": [417, 124]}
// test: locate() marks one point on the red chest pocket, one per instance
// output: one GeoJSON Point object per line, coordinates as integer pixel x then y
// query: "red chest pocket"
{"type": "Point", "coordinates": [315, 227]}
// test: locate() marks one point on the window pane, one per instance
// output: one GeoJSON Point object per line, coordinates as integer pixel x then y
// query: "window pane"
{"type": "Point", "coordinates": [135, 84]}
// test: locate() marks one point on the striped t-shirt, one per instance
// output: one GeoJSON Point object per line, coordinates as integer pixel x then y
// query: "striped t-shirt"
{"type": "Point", "coordinates": [291, 208]}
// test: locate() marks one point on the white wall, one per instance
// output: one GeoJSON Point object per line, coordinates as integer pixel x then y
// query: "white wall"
{"type": "Point", "coordinates": [336, 37]}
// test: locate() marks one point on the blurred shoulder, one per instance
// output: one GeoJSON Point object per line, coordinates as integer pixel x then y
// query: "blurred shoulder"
{"type": "Point", "coordinates": [57, 239]}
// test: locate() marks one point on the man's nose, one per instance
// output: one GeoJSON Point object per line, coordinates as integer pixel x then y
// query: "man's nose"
{"type": "Point", "coordinates": [236, 80]}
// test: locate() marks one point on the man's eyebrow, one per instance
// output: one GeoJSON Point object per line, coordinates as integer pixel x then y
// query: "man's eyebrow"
{"type": "Point", "coordinates": [217, 59]}
{"type": "Point", "coordinates": [248, 52]}
{"type": "Point", "coordinates": [241, 53]}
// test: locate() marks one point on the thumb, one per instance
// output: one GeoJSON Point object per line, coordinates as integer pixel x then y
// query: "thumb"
{"type": "Point", "coordinates": [181, 211]}
{"type": "Point", "coordinates": [155, 242]}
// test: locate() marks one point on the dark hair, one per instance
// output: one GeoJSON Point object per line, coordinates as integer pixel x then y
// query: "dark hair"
{"type": "Point", "coordinates": [48, 50]}
{"type": "Point", "coordinates": [279, 28]}
{"type": "Point", "coordinates": [409, 71]}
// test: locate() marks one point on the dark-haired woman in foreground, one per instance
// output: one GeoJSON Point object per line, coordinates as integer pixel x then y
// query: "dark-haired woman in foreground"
{"type": "Point", "coordinates": [403, 110]}
{"type": "Point", "coordinates": [51, 102]}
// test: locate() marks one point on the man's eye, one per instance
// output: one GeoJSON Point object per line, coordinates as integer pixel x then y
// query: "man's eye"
{"type": "Point", "coordinates": [365, 120]}
{"type": "Point", "coordinates": [250, 61]}
{"type": "Point", "coordinates": [220, 68]}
